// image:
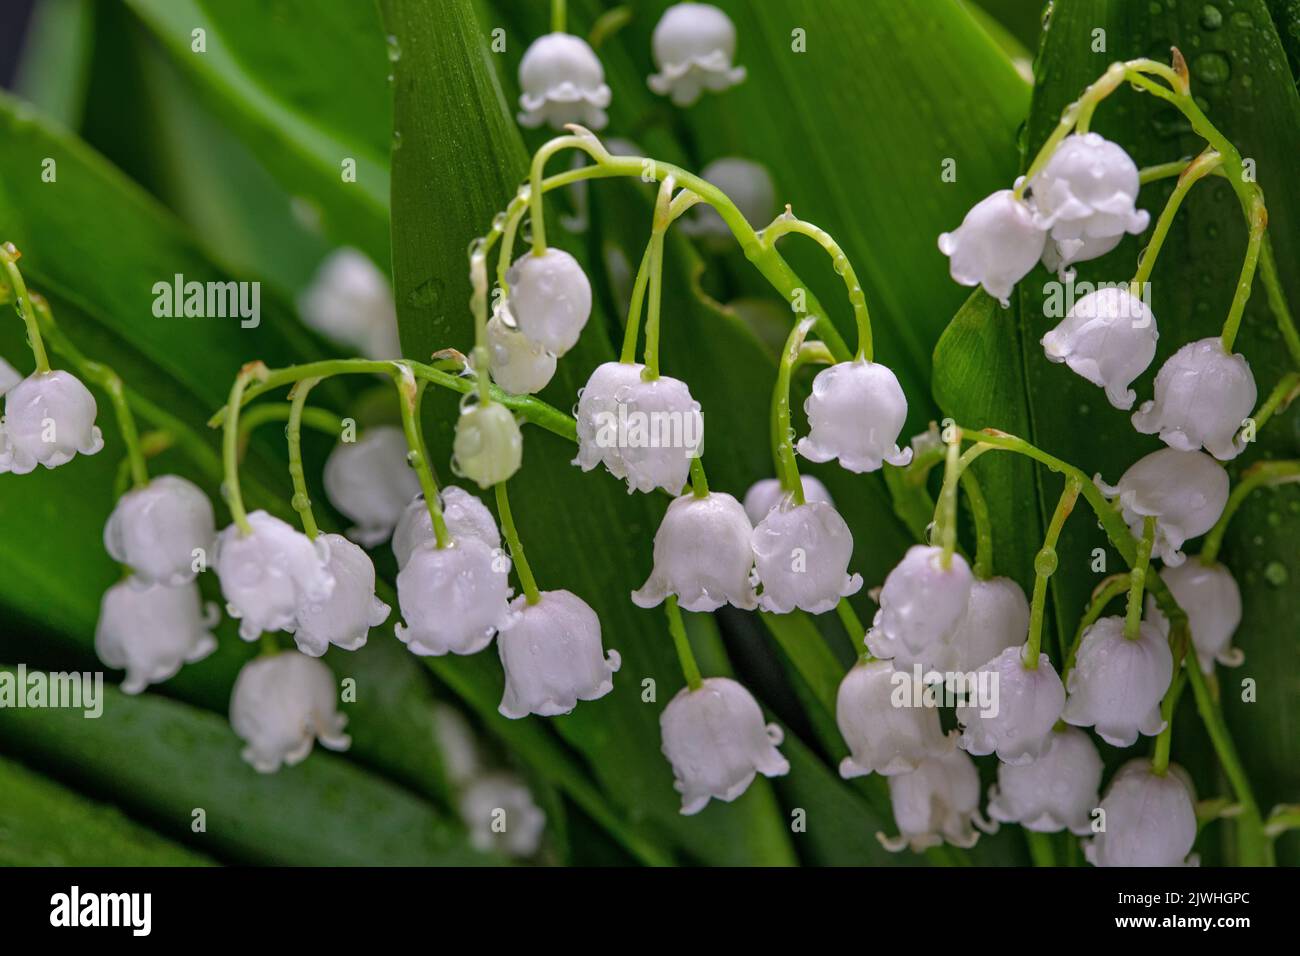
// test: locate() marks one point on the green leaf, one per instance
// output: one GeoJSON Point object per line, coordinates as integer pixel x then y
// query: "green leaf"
{"type": "Point", "coordinates": [163, 760]}
{"type": "Point", "coordinates": [55, 65]}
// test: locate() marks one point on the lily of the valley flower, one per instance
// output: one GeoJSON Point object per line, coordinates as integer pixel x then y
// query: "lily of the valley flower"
{"type": "Point", "coordinates": [716, 740]}
{"type": "Point", "coordinates": [370, 482]}
{"type": "Point", "coordinates": [1150, 818]}
{"type": "Point", "coordinates": [350, 302]}
{"type": "Point", "coordinates": [1203, 396]}
{"type": "Point", "coordinates": [500, 814]}
{"type": "Point", "coordinates": [766, 494]}
{"type": "Point", "coordinates": [1056, 791]}
{"type": "Point", "coordinates": [997, 617]}
{"type": "Point", "coordinates": [1060, 254]}
{"type": "Point", "coordinates": [562, 82]}
{"type": "Point", "coordinates": [1088, 189]}
{"type": "Point", "coordinates": [553, 657]}
{"type": "Point", "coordinates": [281, 705]}
{"type": "Point", "coordinates": [702, 554]}
{"type": "Point", "coordinates": [163, 532]}
{"type": "Point", "coordinates": [937, 801]}
{"type": "Point", "coordinates": [883, 737]}
{"type": "Point", "coordinates": [519, 365]}
{"type": "Point", "coordinates": [9, 376]}
{"type": "Point", "coordinates": [454, 598]}
{"type": "Point", "coordinates": [1186, 492]}
{"type": "Point", "coordinates": [1029, 703]}
{"type": "Point", "coordinates": [269, 573]}
{"type": "Point", "coordinates": [1212, 600]}
{"type": "Point", "coordinates": [694, 45]}
{"type": "Point", "coordinates": [464, 515]}
{"type": "Point", "coordinates": [351, 610]}
{"type": "Point", "coordinates": [1109, 338]}
{"type": "Point", "coordinates": [802, 554]}
{"type": "Point", "coordinates": [550, 298]}
{"type": "Point", "coordinates": [149, 630]}
{"type": "Point", "coordinates": [49, 418]}
{"type": "Point", "coordinates": [922, 604]}
{"type": "Point", "coordinates": [996, 245]}
{"type": "Point", "coordinates": [748, 184]}
{"type": "Point", "coordinates": [855, 412]}
{"type": "Point", "coordinates": [1117, 684]}
{"type": "Point", "coordinates": [598, 404]}
{"type": "Point", "coordinates": [488, 448]}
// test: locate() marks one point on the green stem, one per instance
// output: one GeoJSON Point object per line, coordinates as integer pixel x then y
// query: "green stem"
{"type": "Point", "coordinates": [787, 468]}
{"type": "Point", "coordinates": [531, 594]}
{"type": "Point", "coordinates": [253, 371]}
{"type": "Point", "coordinates": [1097, 91]}
{"type": "Point", "coordinates": [1164, 740]}
{"type": "Point", "coordinates": [787, 223]}
{"type": "Point", "coordinates": [656, 251]}
{"type": "Point", "coordinates": [478, 305]}
{"type": "Point", "coordinates": [1137, 577]}
{"type": "Point", "coordinates": [314, 417]}
{"type": "Point", "coordinates": [557, 16]}
{"type": "Point", "coordinates": [1193, 173]}
{"type": "Point", "coordinates": [632, 327]}
{"type": "Point", "coordinates": [853, 625]}
{"type": "Point", "coordinates": [1109, 589]}
{"type": "Point", "coordinates": [408, 394]}
{"type": "Point", "coordinates": [1256, 476]}
{"type": "Point", "coordinates": [9, 256]}
{"type": "Point", "coordinates": [948, 497]}
{"type": "Point", "coordinates": [1258, 218]}
{"type": "Point", "coordinates": [1045, 566]}
{"type": "Point", "coordinates": [685, 656]}
{"type": "Point", "coordinates": [301, 498]}
{"type": "Point", "coordinates": [1283, 394]}
{"type": "Point", "coordinates": [699, 482]}
{"type": "Point", "coordinates": [1268, 275]}
{"type": "Point", "coordinates": [979, 509]}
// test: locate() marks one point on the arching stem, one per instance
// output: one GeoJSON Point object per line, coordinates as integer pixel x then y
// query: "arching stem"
{"type": "Point", "coordinates": [1137, 577]}
{"type": "Point", "coordinates": [526, 579]}
{"type": "Point", "coordinates": [408, 394]}
{"type": "Point", "coordinates": [685, 656]}
{"type": "Point", "coordinates": [787, 469]}
{"type": "Point", "coordinates": [9, 256]}
{"type": "Point", "coordinates": [301, 497]}
{"type": "Point", "coordinates": [1044, 567]}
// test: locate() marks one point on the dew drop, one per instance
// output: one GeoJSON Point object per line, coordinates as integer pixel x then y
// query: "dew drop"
{"type": "Point", "coordinates": [1211, 68]}
{"type": "Point", "coordinates": [394, 49]}
{"type": "Point", "coordinates": [1211, 17]}
{"type": "Point", "coordinates": [1275, 573]}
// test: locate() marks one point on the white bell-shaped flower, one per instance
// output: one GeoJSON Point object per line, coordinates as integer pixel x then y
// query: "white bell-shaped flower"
{"type": "Point", "coordinates": [49, 418]}
{"type": "Point", "coordinates": [702, 554]}
{"type": "Point", "coordinates": [1116, 684]}
{"type": "Point", "coordinates": [1150, 819]}
{"type": "Point", "coordinates": [1057, 791]}
{"type": "Point", "coordinates": [463, 513]}
{"type": "Point", "coordinates": [749, 185]}
{"type": "Point", "coordinates": [997, 617]}
{"type": "Point", "coordinates": [149, 630]}
{"type": "Point", "coordinates": [716, 740]}
{"type": "Point", "coordinates": [553, 657]}
{"type": "Point", "coordinates": [281, 705]}
{"type": "Point", "coordinates": [1109, 338]}
{"type": "Point", "coordinates": [350, 302]}
{"type": "Point", "coordinates": [1088, 188]}
{"type": "Point", "coordinates": [938, 801]}
{"type": "Point", "coordinates": [1016, 721]}
{"type": "Point", "coordinates": [1208, 593]}
{"type": "Point", "coordinates": [922, 604]}
{"type": "Point", "coordinates": [488, 447]}
{"type": "Point", "coordinates": [550, 298]}
{"type": "Point", "coordinates": [347, 615]}
{"type": "Point", "coordinates": [9, 376]}
{"type": "Point", "coordinates": [163, 532]}
{"type": "Point", "coordinates": [855, 413]}
{"type": "Point", "coordinates": [269, 573]}
{"type": "Point", "coordinates": [454, 599]}
{"type": "Point", "coordinates": [1186, 491]}
{"type": "Point", "coordinates": [518, 364]}
{"type": "Point", "coordinates": [597, 416]}
{"type": "Point", "coordinates": [996, 245]}
{"type": "Point", "coordinates": [885, 732]}
{"type": "Point", "coordinates": [802, 555]}
{"type": "Point", "coordinates": [1060, 254]}
{"type": "Point", "coordinates": [694, 45]}
{"type": "Point", "coordinates": [500, 814]}
{"type": "Point", "coordinates": [370, 482]}
{"type": "Point", "coordinates": [562, 82]}
{"type": "Point", "coordinates": [1203, 396]}
{"type": "Point", "coordinates": [766, 494]}
{"type": "Point", "coordinates": [457, 745]}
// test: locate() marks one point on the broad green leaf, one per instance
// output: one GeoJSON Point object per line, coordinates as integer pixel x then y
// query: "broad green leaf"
{"type": "Point", "coordinates": [55, 64]}
{"type": "Point", "coordinates": [162, 760]}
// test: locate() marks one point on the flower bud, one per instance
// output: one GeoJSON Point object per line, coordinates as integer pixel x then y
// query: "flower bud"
{"type": "Point", "coordinates": [464, 515]}
{"type": "Point", "coordinates": [802, 553]}
{"type": "Point", "coordinates": [49, 417]}
{"type": "Point", "coordinates": [1150, 819]}
{"type": "Point", "coordinates": [885, 734]}
{"type": "Point", "coordinates": [1018, 726]}
{"type": "Point", "coordinates": [1056, 791]}
{"type": "Point", "coordinates": [488, 448]}
{"type": "Point", "coordinates": [281, 705]}
{"type": "Point", "coordinates": [996, 245]}
{"type": "Point", "coordinates": [1109, 338]}
{"type": "Point", "coordinates": [694, 44]}
{"type": "Point", "coordinates": [562, 82]}
{"type": "Point", "coordinates": [149, 630]}
{"type": "Point", "coordinates": [519, 365]}
{"type": "Point", "coordinates": [921, 606]}
{"type": "Point", "coordinates": [1212, 601]}
{"type": "Point", "coordinates": [1116, 684]}
{"type": "Point", "coordinates": [347, 615]}
{"type": "Point", "coordinates": [161, 531]}
{"type": "Point", "coordinates": [370, 482]}
{"type": "Point", "coordinates": [716, 741]}
{"type": "Point", "coordinates": [267, 574]}
{"type": "Point", "coordinates": [855, 412]}
{"type": "Point", "coordinates": [1088, 189]}
{"type": "Point", "coordinates": [550, 298]}
{"type": "Point", "coordinates": [767, 494]}
{"type": "Point", "coordinates": [937, 801]}
{"type": "Point", "coordinates": [1203, 396]}
{"type": "Point", "coordinates": [453, 598]}
{"type": "Point", "coordinates": [702, 554]}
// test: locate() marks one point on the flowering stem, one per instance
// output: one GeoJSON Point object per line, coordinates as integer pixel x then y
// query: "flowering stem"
{"type": "Point", "coordinates": [1045, 566]}
{"type": "Point", "coordinates": [1283, 394]}
{"type": "Point", "coordinates": [9, 256]}
{"type": "Point", "coordinates": [151, 444]}
{"type": "Point", "coordinates": [320, 419]}
{"type": "Point", "coordinates": [787, 468]}
{"type": "Point", "coordinates": [1105, 592]}
{"type": "Point", "coordinates": [301, 500]}
{"type": "Point", "coordinates": [253, 371]}
{"type": "Point", "coordinates": [699, 483]}
{"type": "Point", "coordinates": [98, 373]}
{"type": "Point", "coordinates": [853, 624]}
{"type": "Point", "coordinates": [408, 395]}
{"type": "Point", "coordinates": [979, 510]}
{"type": "Point", "coordinates": [632, 327]}
{"type": "Point", "coordinates": [1192, 173]}
{"type": "Point", "coordinates": [948, 497]}
{"type": "Point", "coordinates": [1070, 116]}
{"type": "Point", "coordinates": [557, 16]}
{"type": "Point", "coordinates": [1137, 578]}
{"type": "Point", "coordinates": [531, 594]}
{"type": "Point", "coordinates": [478, 304]}
{"type": "Point", "coordinates": [787, 223]}
{"type": "Point", "coordinates": [656, 253]}
{"type": "Point", "coordinates": [1256, 476]}
{"type": "Point", "coordinates": [1258, 218]}
{"type": "Point", "coordinates": [1164, 740]}
{"type": "Point", "coordinates": [677, 628]}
